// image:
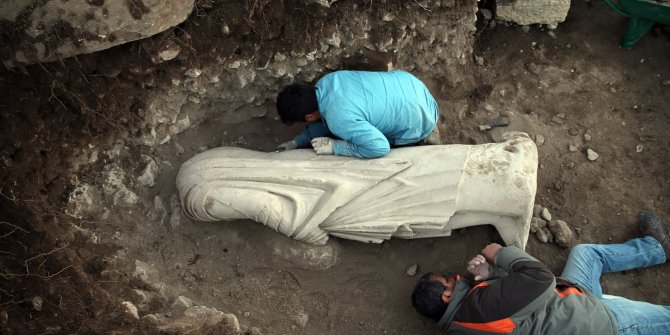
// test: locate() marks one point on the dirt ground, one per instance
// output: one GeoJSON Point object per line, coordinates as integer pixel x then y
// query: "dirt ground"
{"type": "Point", "coordinates": [571, 89]}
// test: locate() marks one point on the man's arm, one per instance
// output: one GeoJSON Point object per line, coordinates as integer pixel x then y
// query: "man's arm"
{"type": "Point", "coordinates": [310, 132]}
{"type": "Point", "coordinates": [479, 267]}
{"type": "Point", "coordinates": [526, 287]}
{"type": "Point", "coordinates": [359, 139]}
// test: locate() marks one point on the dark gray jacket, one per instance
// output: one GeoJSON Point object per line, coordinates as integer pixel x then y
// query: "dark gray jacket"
{"type": "Point", "coordinates": [523, 297]}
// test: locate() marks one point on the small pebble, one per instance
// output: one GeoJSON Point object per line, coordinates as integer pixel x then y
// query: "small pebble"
{"type": "Point", "coordinates": [539, 140]}
{"type": "Point", "coordinates": [545, 214]}
{"type": "Point", "coordinates": [591, 155]}
{"type": "Point", "coordinates": [558, 118]}
{"type": "Point", "coordinates": [131, 309]}
{"type": "Point", "coordinates": [587, 137]}
{"type": "Point", "coordinates": [150, 320]}
{"type": "Point", "coordinates": [572, 147]}
{"type": "Point", "coordinates": [541, 235]}
{"type": "Point", "coordinates": [37, 303]}
{"type": "Point", "coordinates": [558, 186]}
{"type": "Point", "coordinates": [486, 13]}
{"type": "Point", "coordinates": [666, 83]}
{"type": "Point", "coordinates": [301, 319]}
{"type": "Point", "coordinates": [537, 224]}
{"type": "Point", "coordinates": [178, 148]}
{"type": "Point", "coordinates": [537, 211]}
{"type": "Point", "coordinates": [561, 233]}
{"type": "Point", "coordinates": [411, 271]}
{"type": "Point", "coordinates": [570, 165]}
{"type": "Point", "coordinates": [534, 68]}
{"type": "Point", "coordinates": [193, 73]}
{"type": "Point", "coordinates": [639, 148]}
{"type": "Point", "coordinates": [547, 237]}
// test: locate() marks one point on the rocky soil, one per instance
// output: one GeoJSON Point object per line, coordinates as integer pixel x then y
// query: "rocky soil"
{"type": "Point", "coordinates": [92, 239]}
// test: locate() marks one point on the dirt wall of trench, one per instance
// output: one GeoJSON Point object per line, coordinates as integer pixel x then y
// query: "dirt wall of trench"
{"type": "Point", "coordinates": [72, 130]}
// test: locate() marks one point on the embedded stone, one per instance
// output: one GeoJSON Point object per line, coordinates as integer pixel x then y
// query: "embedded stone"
{"type": "Point", "coordinates": [411, 270]}
{"type": "Point", "coordinates": [181, 304]}
{"type": "Point", "coordinates": [562, 233]}
{"type": "Point", "coordinates": [148, 176]}
{"type": "Point", "coordinates": [130, 309]}
{"type": "Point", "coordinates": [37, 302]}
{"type": "Point", "coordinates": [525, 12]}
{"type": "Point", "coordinates": [536, 224]}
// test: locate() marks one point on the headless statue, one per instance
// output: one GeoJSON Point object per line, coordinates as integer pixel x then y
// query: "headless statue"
{"type": "Point", "coordinates": [413, 192]}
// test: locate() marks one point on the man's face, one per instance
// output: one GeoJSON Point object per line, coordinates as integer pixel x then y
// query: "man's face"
{"type": "Point", "coordinates": [449, 284]}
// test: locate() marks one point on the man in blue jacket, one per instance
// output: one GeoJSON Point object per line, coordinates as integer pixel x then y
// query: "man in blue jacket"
{"type": "Point", "coordinates": [359, 113]}
{"type": "Point", "coordinates": [514, 293]}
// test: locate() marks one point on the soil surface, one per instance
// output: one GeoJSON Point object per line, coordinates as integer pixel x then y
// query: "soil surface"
{"type": "Point", "coordinates": [571, 89]}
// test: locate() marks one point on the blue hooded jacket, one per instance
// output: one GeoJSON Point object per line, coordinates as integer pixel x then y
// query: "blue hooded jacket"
{"type": "Point", "coordinates": [370, 111]}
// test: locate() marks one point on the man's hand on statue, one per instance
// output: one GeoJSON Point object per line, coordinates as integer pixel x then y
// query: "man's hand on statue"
{"type": "Point", "coordinates": [489, 252]}
{"type": "Point", "coordinates": [323, 145]}
{"type": "Point", "coordinates": [289, 145]}
{"type": "Point", "coordinates": [479, 267]}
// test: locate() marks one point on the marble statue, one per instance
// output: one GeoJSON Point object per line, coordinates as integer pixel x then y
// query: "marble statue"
{"type": "Point", "coordinates": [414, 192]}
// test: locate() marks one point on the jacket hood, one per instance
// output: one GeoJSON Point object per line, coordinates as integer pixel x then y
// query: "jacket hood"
{"type": "Point", "coordinates": [463, 286]}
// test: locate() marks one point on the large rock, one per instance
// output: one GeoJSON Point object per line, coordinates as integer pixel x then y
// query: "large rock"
{"type": "Point", "coordinates": [526, 12]}
{"type": "Point", "coordinates": [42, 31]}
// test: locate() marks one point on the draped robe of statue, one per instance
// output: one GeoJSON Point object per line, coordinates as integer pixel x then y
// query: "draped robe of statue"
{"type": "Point", "coordinates": [413, 192]}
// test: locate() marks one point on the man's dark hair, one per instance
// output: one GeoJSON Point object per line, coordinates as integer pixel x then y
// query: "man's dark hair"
{"type": "Point", "coordinates": [295, 101]}
{"type": "Point", "coordinates": [427, 297]}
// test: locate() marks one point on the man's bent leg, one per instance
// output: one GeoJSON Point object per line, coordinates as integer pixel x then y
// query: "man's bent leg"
{"type": "Point", "coordinates": [588, 261]}
{"type": "Point", "coordinates": [636, 317]}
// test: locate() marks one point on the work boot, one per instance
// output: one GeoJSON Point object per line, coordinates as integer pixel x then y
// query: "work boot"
{"type": "Point", "coordinates": [433, 138]}
{"type": "Point", "coordinates": [652, 225]}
